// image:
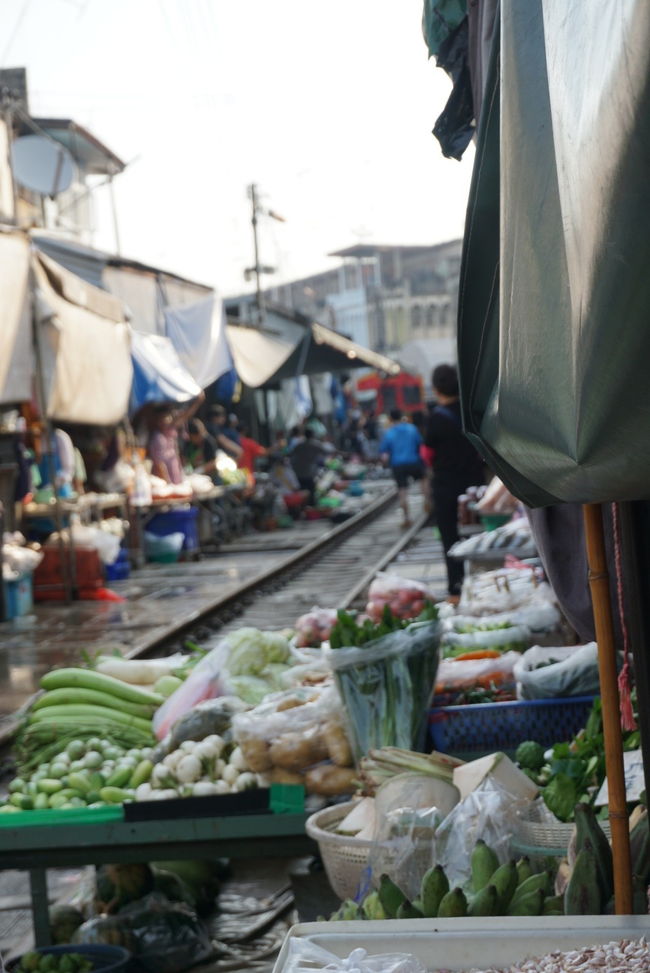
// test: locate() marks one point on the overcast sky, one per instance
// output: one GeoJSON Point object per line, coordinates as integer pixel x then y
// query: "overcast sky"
{"type": "Point", "coordinates": [328, 107]}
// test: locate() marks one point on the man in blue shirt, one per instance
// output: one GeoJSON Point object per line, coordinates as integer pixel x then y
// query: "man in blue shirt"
{"type": "Point", "coordinates": [400, 448]}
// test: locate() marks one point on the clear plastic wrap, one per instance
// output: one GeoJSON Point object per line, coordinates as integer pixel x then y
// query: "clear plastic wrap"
{"type": "Point", "coordinates": [166, 937]}
{"type": "Point", "coordinates": [298, 737]}
{"type": "Point", "coordinates": [505, 638]}
{"type": "Point", "coordinates": [504, 590]}
{"type": "Point", "coordinates": [548, 673]}
{"type": "Point", "coordinates": [314, 627]}
{"type": "Point", "coordinates": [458, 676]}
{"type": "Point", "coordinates": [203, 683]}
{"type": "Point", "coordinates": [405, 598]}
{"type": "Point", "coordinates": [386, 687]}
{"type": "Point", "coordinates": [304, 956]}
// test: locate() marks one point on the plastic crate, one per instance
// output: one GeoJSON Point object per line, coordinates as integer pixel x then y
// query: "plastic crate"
{"type": "Point", "coordinates": [48, 576]}
{"type": "Point", "coordinates": [181, 521]}
{"type": "Point", "coordinates": [486, 727]}
{"type": "Point", "coordinates": [19, 596]}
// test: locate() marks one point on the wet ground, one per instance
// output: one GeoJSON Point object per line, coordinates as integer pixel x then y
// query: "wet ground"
{"type": "Point", "coordinates": [159, 598]}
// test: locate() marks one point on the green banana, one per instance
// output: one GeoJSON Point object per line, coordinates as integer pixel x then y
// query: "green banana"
{"type": "Point", "coordinates": [372, 907]}
{"type": "Point", "coordinates": [408, 911]}
{"type": "Point", "coordinates": [483, 863]}
{"type": "Point", "coordinates": [639, 896]}
{"type": "Point", "coordinates": [542, 880]}
{"type": "Point", "coordinates": [484, 903]}
{"type": "Point", "coordinates": [435, 885]}
{"type": "Point", "coordinates": [589, 830]}
{"type": "Point", "coordinates": [504, 880]}
{"type": "Point", "coordinates": [527, 905]}
{"type": "Point", "coordinates": [553, 904]}
{"type": "Point", "coordinates": [390, 896]}
{"type": "Point", "coordinates": [524, 869]}
{"type": "Point", "coordinates": [417, 904]}
{"type": "Point", "coordinates": [640, 846]}
{"type": "Point", "coordinates": [582, 896]}
{"type": "Point", "coordinates": [453, 904]}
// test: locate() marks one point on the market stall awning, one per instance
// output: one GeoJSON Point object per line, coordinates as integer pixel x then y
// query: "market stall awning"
{"type": "Point", "coordinates": [257, 355]}
{"type": "Point", "coordinates": [357, 356]}
{"type": "Point", "coordinates": [198, 333]}
{"type": "Point", "coordinates": [158, 373]}
{"type": "Point", "coordinates": [85, 345]}
{"type": "Point", "coordinates": [553, 314]}
{"type": "Point", "coordinates": [16, 358]}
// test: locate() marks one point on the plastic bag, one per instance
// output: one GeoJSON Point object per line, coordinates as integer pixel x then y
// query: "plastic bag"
{"type": "Point", "coordinates": [491, 813]}
{"type": "Point", "coordinates": [503, 590]}
{"type": "Point", "coordinates": [386, 687]}
{"type": "Point", "coordinates": [497, 499]}
{"type": "Point", "coordinates": [506, 638]}
{"type": "Point", "coordinates": [166, 937]}
{"type": "Point", "coordinates": [304, 956]}
{"type": "Point", "coordinates": [202, 683]}
{"type": "Point", "coordinates": [548, 673]}
{"type": "Point", "coordinates": [314, 627]}
{"type": "Point", "coordinates": [405, 598]}
{"type": "Point", "coordinates": [297, 736]}
{"type": "Point", "coordinates": [456, 677]}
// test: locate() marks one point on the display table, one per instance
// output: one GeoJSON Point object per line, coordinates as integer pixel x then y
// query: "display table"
{"type": "Point", "coordinates": [37, 848]}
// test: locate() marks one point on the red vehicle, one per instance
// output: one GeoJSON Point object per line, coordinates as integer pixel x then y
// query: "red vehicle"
{"type": "Point", "coordinates": [402, 391]}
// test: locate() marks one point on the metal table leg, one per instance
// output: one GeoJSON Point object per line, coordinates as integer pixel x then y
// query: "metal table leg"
{"type": "Point", "coordinates": [40, 906]}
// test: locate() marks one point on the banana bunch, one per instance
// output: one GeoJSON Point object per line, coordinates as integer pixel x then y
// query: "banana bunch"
{"type": "Point", "coordinates": [512, 889]}
{"type": "Point", "coordinates": [590, 886]}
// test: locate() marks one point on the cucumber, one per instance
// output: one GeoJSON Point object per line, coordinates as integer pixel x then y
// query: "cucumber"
{"type": "Point", "coordinates": [141, 774]}
{"type": "Point", "coordinates": [41, 801]}
{"type": "Point", "coordinates": [120, 777]}
{"type": "Point", "coordinates": [88, 679]}
{"type": "Point", "coordinates": [80, 781]}
{"type": "Point", "coordinates": [113, 795]}
{"type": "Point", "coordinates": [17, 785]}
{"type": "Point", "coordinates": [22, 801]}
{"type": "Point", "coordinates": [9, 809]}
{"type": "Point", "coordinates": [48, 785]}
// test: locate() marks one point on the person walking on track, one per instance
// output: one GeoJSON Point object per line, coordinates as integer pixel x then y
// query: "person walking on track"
{"type": "Point", "coordinates": [400, 448]}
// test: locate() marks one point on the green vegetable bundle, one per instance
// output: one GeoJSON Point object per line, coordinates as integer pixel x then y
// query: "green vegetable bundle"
{"type": "Point", "coordinates": [35, 962]}
{"type": "Point", "coordinates": [346, 633]}
{"type": "Point", "coordinates": [386, 686]}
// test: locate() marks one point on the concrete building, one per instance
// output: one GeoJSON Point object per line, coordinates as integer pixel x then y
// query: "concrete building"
{"type": "Point", "coordinates": [383, 296]}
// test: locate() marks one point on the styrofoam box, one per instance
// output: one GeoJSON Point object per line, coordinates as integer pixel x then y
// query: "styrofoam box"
{"type": "Point", "coordinates": [466, 944]}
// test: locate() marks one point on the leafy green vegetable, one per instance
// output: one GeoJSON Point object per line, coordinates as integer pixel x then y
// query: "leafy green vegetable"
{"type": "Point", "coordinates": [251, 651]}
{"type": "Point", "coordinates": [561, 796]}
{"type": "Point", "coordinates": [346, 633]}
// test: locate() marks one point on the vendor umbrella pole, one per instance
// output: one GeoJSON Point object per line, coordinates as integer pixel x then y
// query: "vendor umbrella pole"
{"type": "Point", "coordinates": [603, 621]}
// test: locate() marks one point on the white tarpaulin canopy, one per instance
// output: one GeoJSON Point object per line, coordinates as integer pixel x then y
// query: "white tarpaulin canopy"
{"type": "Point", "coordinates": [257, 356]}
{"type": "Point", "coordinates": [198, 333]}
{"type": "Point", "coordinates": [158, 373]}
{"type": "Point", "coordinates": [16, 358]}
{"type": "Point", "coordinates": [85, 341]}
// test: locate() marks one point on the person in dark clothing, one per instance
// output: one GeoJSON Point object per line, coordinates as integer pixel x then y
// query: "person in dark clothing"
{"type": "Point", "coordinates": [456, 466]}
{"type": "Point", "coordinates": [306, 457]}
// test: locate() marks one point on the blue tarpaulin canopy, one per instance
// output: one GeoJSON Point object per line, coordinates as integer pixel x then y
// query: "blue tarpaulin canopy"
{"type": "Point", "coordinates": [158, 375]}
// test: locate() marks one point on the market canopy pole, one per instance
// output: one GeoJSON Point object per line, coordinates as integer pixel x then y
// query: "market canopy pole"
{"type": "Point", "coordinates": [599, 586]}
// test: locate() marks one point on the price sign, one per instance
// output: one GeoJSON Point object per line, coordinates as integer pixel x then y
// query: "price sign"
{"type": "Point", "coordinates": [634, 779]}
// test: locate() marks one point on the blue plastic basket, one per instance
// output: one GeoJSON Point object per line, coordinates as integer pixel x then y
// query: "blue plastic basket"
{"type": "Point", "coordinates": [485, 727]}
{"type": "Point", "coordinates": [177, 522]}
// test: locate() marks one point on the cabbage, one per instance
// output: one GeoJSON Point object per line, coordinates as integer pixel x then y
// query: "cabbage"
{"type": "Point", "coordinates": [251, 689]}
{"type": "Point", "coordinates": [273, 674]}
{"type": "Point", "coordinates": [250, 651]}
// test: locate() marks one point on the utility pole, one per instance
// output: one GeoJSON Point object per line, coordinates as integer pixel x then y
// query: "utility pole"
{"type": "Point", "coordinates": [258, 269]}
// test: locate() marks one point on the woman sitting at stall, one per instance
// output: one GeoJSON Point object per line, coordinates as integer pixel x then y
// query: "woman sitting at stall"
{"type": "Point", "coordinates": [163, 448]}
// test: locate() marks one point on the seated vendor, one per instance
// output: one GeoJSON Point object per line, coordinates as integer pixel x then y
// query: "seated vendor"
{"type": "Point", "coordinates": [163, 448]}
{"type": "Point", "coordinates": [199, 451]}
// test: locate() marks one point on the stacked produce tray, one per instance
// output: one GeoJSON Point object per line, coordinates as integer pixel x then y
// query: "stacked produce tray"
{"type": "Point", "coordinates": [465, 944]}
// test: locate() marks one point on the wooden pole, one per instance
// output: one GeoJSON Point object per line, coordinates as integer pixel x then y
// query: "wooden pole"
{"type": "Point", "coordinates": [602, 609]}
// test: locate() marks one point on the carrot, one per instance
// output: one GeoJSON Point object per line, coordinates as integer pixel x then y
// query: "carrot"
{"type": "Point", "coordinates": [478, 654]}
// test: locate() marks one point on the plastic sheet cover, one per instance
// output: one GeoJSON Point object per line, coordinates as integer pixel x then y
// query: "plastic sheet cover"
{"type": "Point", "coordinates": [16, 358]}
{"type": "Point", "coordinates": [158, 374]}
{"type": "Point", "coordinates": [198, 333]}
{"type": "Point", "coordinates": [85, 346]}
{"type": "Point", "coordinates": [553, 322]}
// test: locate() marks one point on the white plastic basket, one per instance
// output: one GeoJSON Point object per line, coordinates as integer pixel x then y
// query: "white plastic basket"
{"type": "Point", "coordinates": [463, 944]}
{"type": "Point", "coordinates": [539, 831]}
{"type": "Point", "coordinates": [345, 858]}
